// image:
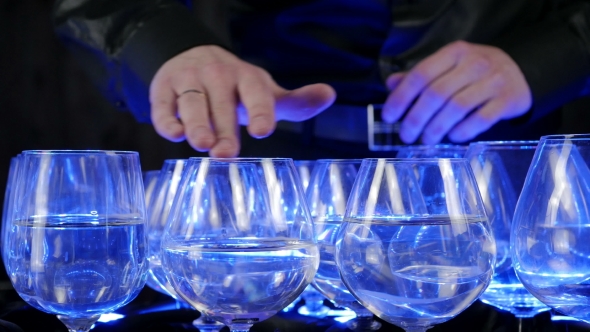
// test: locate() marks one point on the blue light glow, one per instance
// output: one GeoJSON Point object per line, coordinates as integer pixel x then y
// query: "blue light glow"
{"type": "Point", "coordinates": [560, 318]}
{"type": "Point", "coordinates": [105, 318]}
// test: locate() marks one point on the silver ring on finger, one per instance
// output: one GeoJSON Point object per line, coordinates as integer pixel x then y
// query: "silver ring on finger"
{"type": "Point", "coordinates": [192, 91]}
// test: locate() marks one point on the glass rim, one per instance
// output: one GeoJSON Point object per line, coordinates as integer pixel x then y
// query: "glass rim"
{"type": "Point", "coordinates": [524, 144]}
{"type": "Point", "coordinates": [416, 160]}
{"type": "Point", "coordinates": [79, 152]}
{"type": "Point", "coordinates": [340, 160]}
{"type": "Point", "coordinates": [434, 146]}
{"type": "Point", "coordinates": [174, 160]}
{"type": "Point", "coordinates": [565, 137]}
{"type": "Point", "coordinates": [240, 159]}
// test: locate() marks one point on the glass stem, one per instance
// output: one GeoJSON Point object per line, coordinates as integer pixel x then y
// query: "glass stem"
{"type": "Point", "coordinates": [207, 324]}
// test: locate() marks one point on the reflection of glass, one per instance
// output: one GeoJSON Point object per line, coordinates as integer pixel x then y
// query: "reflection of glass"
{"type": "Point", "coordinates": [551, 226]}
{"type": "Point", "coordinates": [77, 245]}
{"type": "Point", "coordinates": [431, 151]}
{"type": "Point", "coordinates": [500, 169]}
{"type": "Point", "coordinates": [327, 194]}
{"type": "Point", "coordinates": [238, 245]}
{"type": "Point", "coordinates": [413, 258]}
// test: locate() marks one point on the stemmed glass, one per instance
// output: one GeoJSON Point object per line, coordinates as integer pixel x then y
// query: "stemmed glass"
{"type": "Point", "coordinates": [415, 253]}
{"type": "Point", "coordinates": [330, 186]}
{"type": "Point", "coordinates": [77, 245]}
{"type": "Point", "coordinates": [551, 225]}
{"type": "Point", "coordinates": [432, 151]}
{"type": "Point", "coordinates": [238, 245]}
{"type": "Point", "coordinates": [158, 210]}
{"type": "Point", "coordinates": [500, 168]}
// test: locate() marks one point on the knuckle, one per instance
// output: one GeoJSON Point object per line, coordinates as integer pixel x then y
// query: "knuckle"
{"type": "Point", "coordinates": [417, 77]}
{"type": "Point", "coordinates": [214, 69]}
{"type": "Point", "coordinates": [498, 80]}
{"type": "Point", "coordinates": [412, 120]}
{"type": "Point", "coordinates": [255, 71]}
{"type": "Point", "coordinates": [459, 46]}
{"type": "Point", "coordinates": [481, 64]}
{"type": "Point", "coordinates": [460, 103]}
{"type": "Point", "coordinates": [436, 92]}
{"type": "Point", "coordinates": [485, 118]}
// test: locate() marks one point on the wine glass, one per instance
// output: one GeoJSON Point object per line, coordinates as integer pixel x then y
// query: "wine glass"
{"type": "Point", "coordinates": [239, 245]}
{"type": "Point", "coordinates": [432, 151]}
{"type": "Point", "coordinates": [551, 225]}
{"type": "Point", "coordinates": [77, 245]}
{"type": "Point", "coordinates": [500, 168]}
{"type": "Point", "coordinates": [412, 257]}
{"type": "Point", "coordinates": [330, 186]}
{"type": "Point", "coordinates": [158, 209]}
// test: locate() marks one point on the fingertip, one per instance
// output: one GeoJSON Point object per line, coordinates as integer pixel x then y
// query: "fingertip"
{"type": "Point", "coordinates": [407, 136]}
{"type": "Point", "coordinates": [170, 130]}
{"type": "Point", "coordinates": [261, 126]}
{"type": "Point", "coordinates": [387, 114]}
{"type": "Point", "coordinates": [225, 148]}
{"type": "Point", "coordinates": [319, 96]}
{"type": "Point", "coordinates": [304, 103]}
{"type": "Point", "coordinates": [459, 136]}
{"type": "Point", "coordinates": [430, 140]}
{"type": "Point", "coordinates": [200, 139]}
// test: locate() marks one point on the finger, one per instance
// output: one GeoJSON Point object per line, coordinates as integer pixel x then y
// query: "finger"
{"type": "Point", "coordinates": [193, 110]}
{"type": "Point", "coordinates": [163, 113]}
{"type": "Point", "coordinates": [223, 104]}
{"type": "Point", "coordinates": [418, 78]}
{"type": "Point", "coordinates": [257, 97]}
{"type": "Point", "coordinates": [394, 80]}
{"type": "Point", "coordinates": [459, 106]}
{"type": "Point", "coordinates": [434, 97]}
{"type": "Point", "coordinates": [303, 103]}
{"type": "Point", "coordinates": [479, 121]}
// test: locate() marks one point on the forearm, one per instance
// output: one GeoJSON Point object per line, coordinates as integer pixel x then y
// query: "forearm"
{"type": "Point", "coordinates": [122, 43]}
{"type": "Point", "coordinates": [554, 56]}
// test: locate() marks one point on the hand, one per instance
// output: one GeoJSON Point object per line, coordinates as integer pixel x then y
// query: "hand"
{"type": "Point", "coordinates": [460, 91]}
{"type": "Point", "coordinates": [229, 92]}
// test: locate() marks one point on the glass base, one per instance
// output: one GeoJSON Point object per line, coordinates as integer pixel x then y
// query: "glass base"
{"type": "Point", "coordinates": [207, 324]}
{"type": "Point", "coordinates": [319, 312]}
{"type": "Point", "coordinates": [78, 324]}
{"type": "Point", "coordinates": [363, 323]}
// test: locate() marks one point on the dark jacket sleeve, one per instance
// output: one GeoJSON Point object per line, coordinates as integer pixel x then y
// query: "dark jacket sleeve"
{"type": "Point", "coordinates": [122, 43]}
{"type": "Point", "coordinates": [554, 56]}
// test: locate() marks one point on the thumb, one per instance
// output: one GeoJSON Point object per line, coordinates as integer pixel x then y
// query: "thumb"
{"type": "Point", "coordinates": [304, 103]}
